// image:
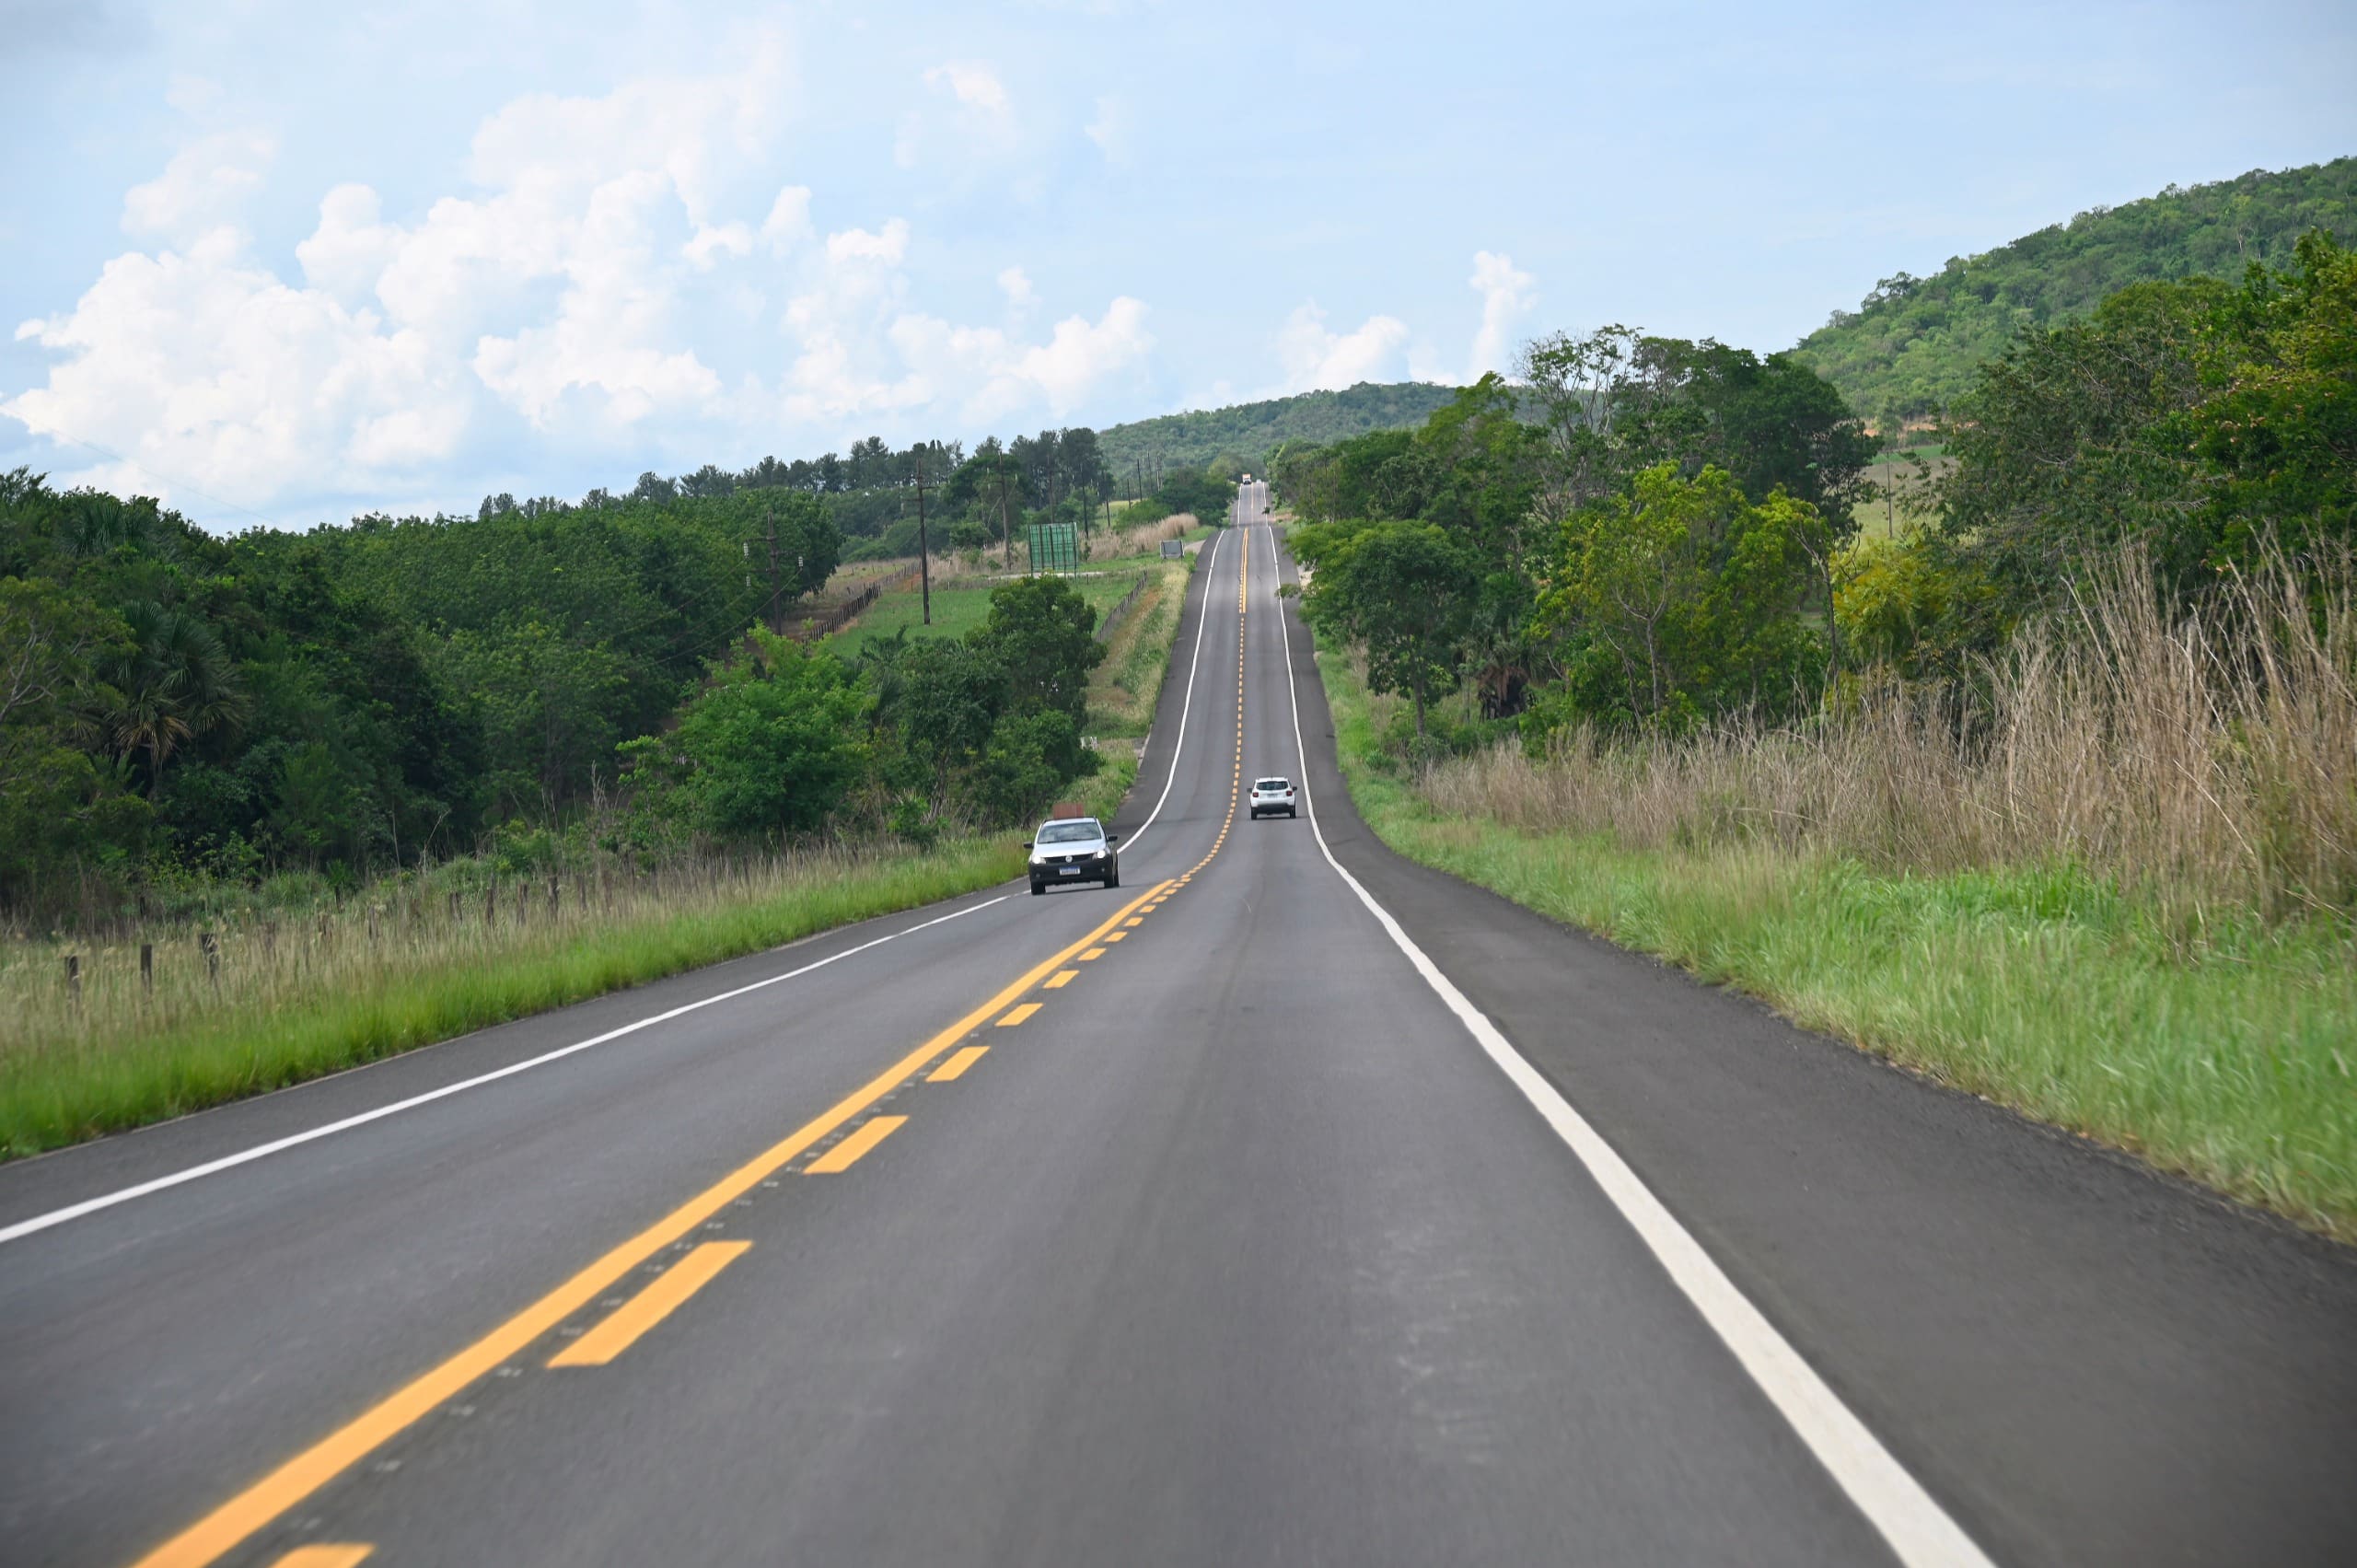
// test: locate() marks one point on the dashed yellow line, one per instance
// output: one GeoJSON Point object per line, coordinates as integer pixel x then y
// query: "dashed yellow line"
{"type": "Point", "coordinates": [1016, 1015]}
{"type": "Point", "coordinates": [670, 1291]}
{"type": "Point", "coordinates": [325, 1554]}
{"type": "Point", "coordinates": [955, 1068]}
{"type": "Point", "coordinates": [235, 1521]}
{"type": "Point", "coordinates": [1061, 979]}
{"type": "Point", "coordinates": [849, 1152]}
{"type": "Point", "coordinates": [1092, 953]}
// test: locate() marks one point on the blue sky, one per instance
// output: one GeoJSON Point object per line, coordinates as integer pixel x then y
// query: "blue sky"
{"type": "Point", "coordinates": [284, 263]}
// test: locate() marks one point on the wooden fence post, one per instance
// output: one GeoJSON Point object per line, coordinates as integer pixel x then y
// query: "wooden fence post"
{"type": "Point", "coordinates": [147, 968]}
{"type": "Point", "coordinates": [73, 978]}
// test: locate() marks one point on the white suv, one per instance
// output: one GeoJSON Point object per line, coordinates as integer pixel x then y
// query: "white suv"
{"type": "Point", "coordinates": [1073, 849]}
{"type": "Point", "coordinates": [1271, 797]}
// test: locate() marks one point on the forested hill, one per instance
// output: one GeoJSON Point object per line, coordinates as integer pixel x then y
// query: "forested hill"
{"type": "Point", "coordinates": [1916, 343]}
{"type": "Point", "coordinates": [1245, 433]}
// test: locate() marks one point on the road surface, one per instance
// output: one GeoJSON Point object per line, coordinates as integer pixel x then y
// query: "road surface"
{"type": "Point", "coordinates": [1289, 1205]}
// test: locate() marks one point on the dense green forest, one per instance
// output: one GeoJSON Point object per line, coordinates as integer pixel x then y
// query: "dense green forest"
{"type": "Point", "coordinates": [1232, 439]}
{"type": "Point", "coordinates": [179, 708]}
{"type": "Point", "coordinates": [1649, 535]}
{"type": "Point", "coordinates": [1914, 345]}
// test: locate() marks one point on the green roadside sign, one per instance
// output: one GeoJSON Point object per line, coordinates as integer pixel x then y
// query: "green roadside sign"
{"type": "Point", "coordinates": [1055, 547]}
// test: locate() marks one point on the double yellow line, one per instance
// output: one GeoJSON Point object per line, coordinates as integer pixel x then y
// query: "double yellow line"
{"type": "Point", "coordinates": [235, 1521]}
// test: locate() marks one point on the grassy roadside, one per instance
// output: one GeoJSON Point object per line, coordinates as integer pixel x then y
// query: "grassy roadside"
{"type": "Point", "coordinates": [960, 604]}
{"type": "Point", "coordinates": [2038, 987]}
{"type": "Point", "coordinates": [315, 1007]}
{"type": "Point", "coordinates": [1122, 693]}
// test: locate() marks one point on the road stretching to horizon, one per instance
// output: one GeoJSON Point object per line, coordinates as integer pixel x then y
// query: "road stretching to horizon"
{"type": "Point", "coordinates": [1290, 1203]}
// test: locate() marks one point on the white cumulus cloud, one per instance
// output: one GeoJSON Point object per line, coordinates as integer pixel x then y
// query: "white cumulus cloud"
{"type": "Point", "coordinates": [204, 184]}
{"type": "Point", "coordinates": [1506, 299]}
{"type": "Point", "coordinates": [586, 290]}
{"type": "Point", "coordinates": [1315, 357]}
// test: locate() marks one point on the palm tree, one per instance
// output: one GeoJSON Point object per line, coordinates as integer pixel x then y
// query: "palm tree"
{"type": "Point", "coordinates": [177, 683]}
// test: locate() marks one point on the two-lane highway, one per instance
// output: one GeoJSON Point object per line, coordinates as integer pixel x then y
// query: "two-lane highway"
{"type": "Point", "coordinates": [1203, 1221]}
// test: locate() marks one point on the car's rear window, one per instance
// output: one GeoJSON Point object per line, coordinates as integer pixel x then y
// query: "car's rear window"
{"type": "Point", "coordinates": [1069, 832]}
{"type": "Point", "coordinates": [1272, 783]}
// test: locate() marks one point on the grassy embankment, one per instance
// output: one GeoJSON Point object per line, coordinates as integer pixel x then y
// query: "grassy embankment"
{"type": "Point", "coordinates": [2127, 914]}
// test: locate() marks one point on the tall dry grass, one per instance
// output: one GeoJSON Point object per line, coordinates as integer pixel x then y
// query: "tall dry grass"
{"type": "Point", "coordinates": [2206, 760]}
{"type": "Point", "coordinates": [1117, 544]}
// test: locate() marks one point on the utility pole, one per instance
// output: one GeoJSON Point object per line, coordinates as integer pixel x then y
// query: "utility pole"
{"type": "Point", "coordinates": [925, 541]}
{"type": "Point", "coordinates": [776, 618]}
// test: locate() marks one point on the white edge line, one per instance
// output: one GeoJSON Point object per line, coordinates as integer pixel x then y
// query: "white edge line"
{"type": "Point", "coordinates": [1917, 1529]}
{"type": "Point", "coordinates": [245, 1156]}
{"type": "Point", "coordinates": [1187, 707]}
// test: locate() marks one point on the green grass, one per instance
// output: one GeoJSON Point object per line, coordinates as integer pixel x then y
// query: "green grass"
{"type": "Point", "coordinates": [1911, 505]}
{"type": "Point", "coordinates": [958, 610]}
{"type": "Point", "coordinates": [349, 1003]}
{"type": "Point", "coordinates": [2035, 986]}
{"type": "Point", "coordinates": [1122, 693]}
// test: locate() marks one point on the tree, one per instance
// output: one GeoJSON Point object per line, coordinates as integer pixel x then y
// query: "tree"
{"type": "Point", "coordinates": [2062, 447]}
{"type": "Point", "coordinates": [175, 682]}
{"type": "Point", "coordinates": [994, 477]}
{"type": "Point", "coordinates": [944, 699]}
{"type": "Point", "coordinates": [1403, 590]}
{"type": "Point", "coordinates": [1680, 600]}
{"type": "Point", "coordinates": [60, 804]}
{"type": "Point", "coordinates": [2277, 423]}
{"type": "Point", "coordinates": [1042, 634]}
{"type": "Point", "coordinates": [1081, 462]}
{"type": "Point", "coordinates": [767, 750]}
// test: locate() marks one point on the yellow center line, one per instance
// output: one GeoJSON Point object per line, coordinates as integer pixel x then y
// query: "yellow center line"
{"type": "Point", "coordinates": [1016, 1015]}
{"type": "Point", "coordinates": [1061, 979]}
{"type": "Point", "coordinates": [845, 1154]}
{"type": "Point", "coordinates": [1114, 936]}
{"type": "Point", "coordinates": [211, 1537]}
{"type": "Point", "coordinates": [1092, 953]}
{"type": "Point", "coordinates": [657, 1301]}
{"type": "Point", "coordinates": [955, 1068]}
{"type": "Point", "coordinates": [325, 1554]}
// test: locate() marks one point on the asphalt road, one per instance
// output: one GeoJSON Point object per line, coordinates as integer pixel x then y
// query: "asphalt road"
{"type": "Point", "coordinates": [1289, 1205]}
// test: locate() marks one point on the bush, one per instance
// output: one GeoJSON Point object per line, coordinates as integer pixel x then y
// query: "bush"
{"type": "Point", "coordinates": [768, 750]}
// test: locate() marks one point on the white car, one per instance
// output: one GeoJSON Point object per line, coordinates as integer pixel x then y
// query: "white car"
{"type": "Point", "coordinates": [1072, 849]}
{"type": "Point", "coordinates": [1271, 797]}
